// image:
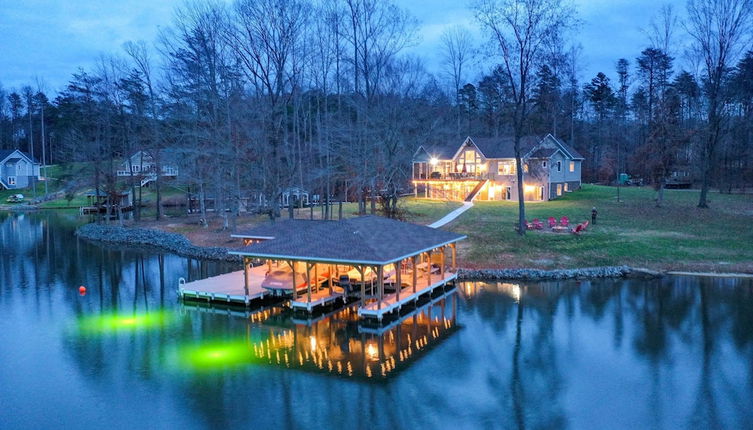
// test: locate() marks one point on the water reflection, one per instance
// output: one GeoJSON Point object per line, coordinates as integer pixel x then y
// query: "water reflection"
{"type": "Point", "coordinates": [338, 344]}
{"type": "Point", "coordinates": [675, 352]}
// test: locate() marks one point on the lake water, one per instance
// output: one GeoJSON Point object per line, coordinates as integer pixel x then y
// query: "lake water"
{"type": "Point", "coordinates": [668, 353]}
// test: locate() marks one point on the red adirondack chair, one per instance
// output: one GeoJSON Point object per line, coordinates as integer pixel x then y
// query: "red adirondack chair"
{"type": "Point", "coordinates": [564, 221]}
{"type": "Point", "coordinates": [585, 224]}
{"type": "Point", "coordinates": [537, 224]}
{"type": "Point", "coordinates": [578, 229]}
{"type": "Point", "coordinates": [552, 221]}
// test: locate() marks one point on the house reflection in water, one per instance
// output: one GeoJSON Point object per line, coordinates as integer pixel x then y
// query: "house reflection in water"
{"type": "Point", "coordinates": [342, 344]}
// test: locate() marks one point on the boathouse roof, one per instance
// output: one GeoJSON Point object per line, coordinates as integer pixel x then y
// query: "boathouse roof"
{"type": "Point", "coordinates": [365, 240]}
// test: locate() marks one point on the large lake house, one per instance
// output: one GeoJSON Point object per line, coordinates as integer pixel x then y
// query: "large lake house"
{"type": "Point", "coordinates": [143, 166]}
{"type": "Point", "coordinates": [17, 169]}
{"type": "Point", "coordinates": [484, 169]}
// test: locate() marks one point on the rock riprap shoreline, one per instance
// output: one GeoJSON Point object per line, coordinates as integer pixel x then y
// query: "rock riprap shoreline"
{"type": "Point", "coordinates": [172, 242]}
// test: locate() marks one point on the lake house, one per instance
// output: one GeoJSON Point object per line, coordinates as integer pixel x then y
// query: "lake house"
{"type": "Point", "coordinates": [484, 169]}
{"type": "Point", "coordinates": [143, 166]}
{"type": "Point", "coordinates": [17, 169]}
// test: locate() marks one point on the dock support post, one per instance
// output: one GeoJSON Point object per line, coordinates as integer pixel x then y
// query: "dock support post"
{"type": "Point", "coordinates": [454, 257]}
{"type": "Point", "coordinates": [295, 284]}
{"type": "Point", "coordinates": [428, 268]}
{"type": "Point", "coordinates": [441, 267]}
{"type": "Point", "coordinates": [246, 275]}
{"type": "Point", "coordinates": [415, 273]}
{"type": "Point", "coordinates": [308, 284]}
{"type": "Point", "coordinates": [363, 285]}
{"type": "Point", "coordinates": [398, 279]}
{"type": "Point", "coordinates": [380, 285]}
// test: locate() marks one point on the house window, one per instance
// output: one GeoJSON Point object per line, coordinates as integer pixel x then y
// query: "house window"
{"type": "Point", "coordinates": [559, 166]}
{"type": "Point", "coordinates": [525, 168]}
{"type": "Point", "coordinates": [541, 193]}
{"type": "Point", "coordinates": [566, 187]}
{"type": "Point", "coordinates": [559, 189]}
{"type": "Point", "coordinates": [508, 193]}
{"type": "Point", "coordinates": [11, 180]}
{"type": "Point", "coordinates": [572, 166]}
{"type": "Point", "coordinates": [543, 163]}
{"type": "Point", "coordinates": [506, 168]}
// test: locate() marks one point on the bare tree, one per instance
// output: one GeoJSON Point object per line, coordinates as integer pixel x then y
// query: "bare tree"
{"type": "Point", "coordinates": [457, 52]}
{"type": "Point", "coordinates": [521, 29]}
{"type": "Point", "coordinates": [720, 30]}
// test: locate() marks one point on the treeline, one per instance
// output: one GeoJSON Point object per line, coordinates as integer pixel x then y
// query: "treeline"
{"type": "Point", "coordinates": [258, 96]}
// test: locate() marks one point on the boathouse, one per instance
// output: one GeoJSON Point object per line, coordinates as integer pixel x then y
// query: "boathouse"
{"type": "Point", "coordinates": [381, 263]}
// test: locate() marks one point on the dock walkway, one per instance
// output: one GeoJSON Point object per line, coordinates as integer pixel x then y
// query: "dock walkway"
{"type": "Point", "coordinates": [390, 302]}
{"type": "Point", "coordinates": [227, 288]}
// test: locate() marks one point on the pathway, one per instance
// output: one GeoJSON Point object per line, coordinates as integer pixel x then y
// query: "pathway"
{"type": "Point", "coordinates": [452, 215]}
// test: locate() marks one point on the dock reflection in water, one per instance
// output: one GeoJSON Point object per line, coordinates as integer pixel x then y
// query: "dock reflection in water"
{"type": "Point", "coordinates": [337, 343]}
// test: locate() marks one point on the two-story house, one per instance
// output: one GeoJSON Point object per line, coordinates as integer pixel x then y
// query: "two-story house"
{"type": "Point", "coordinates": [484, 169]}
{"type": "Point", "coordinates": [142, 165]}
{"type": "Point", "coordinates": [17, 169]}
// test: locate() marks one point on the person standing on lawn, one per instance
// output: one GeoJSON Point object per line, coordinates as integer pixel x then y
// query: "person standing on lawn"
{"type": "Point", "coordinates": [593, 215]}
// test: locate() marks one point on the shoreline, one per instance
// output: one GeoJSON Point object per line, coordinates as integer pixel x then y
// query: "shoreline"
{"type": "Point", "coordinates": [180, 245]}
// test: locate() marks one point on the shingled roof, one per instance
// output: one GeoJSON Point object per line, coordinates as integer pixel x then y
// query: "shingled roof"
{"type": "Point", "coordinates": [365, 240]}
{"type": "Point", "coordinates": [494, 147]}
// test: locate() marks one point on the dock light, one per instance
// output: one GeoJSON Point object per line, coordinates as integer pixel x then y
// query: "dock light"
{"type": "Point", "coordinates": [433, 161]}
{"type": "Point", "coordinates": [82, 290]}
{"type": "Point", "coordinates": [212, 355]}
{"type": "Point", "coordinates": [312, 340]}
{"type": "Point", "coordinates": [115, 322]}
{"type": "Point", "coordinates": [371, 352]}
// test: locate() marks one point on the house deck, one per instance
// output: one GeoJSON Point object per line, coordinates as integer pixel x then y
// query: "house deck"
{"type": "Point", "coordinates": [228, 288]}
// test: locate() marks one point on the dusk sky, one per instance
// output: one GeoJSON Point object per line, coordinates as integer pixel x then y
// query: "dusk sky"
{"type": "Point", "coordinates": [51, 39]}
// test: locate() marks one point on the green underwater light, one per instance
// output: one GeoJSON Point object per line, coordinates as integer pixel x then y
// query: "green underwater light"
{"type": "Point", "coordinates": [119, 322]}
{"type": "Point", "coordinates": [211, 355]}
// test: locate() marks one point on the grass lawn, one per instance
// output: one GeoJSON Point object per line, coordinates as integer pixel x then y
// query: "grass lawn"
{"type": "Point", "coordinates": [677, 236]}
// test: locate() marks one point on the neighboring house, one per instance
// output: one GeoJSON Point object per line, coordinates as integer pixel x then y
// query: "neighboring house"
{"type": "Point", "coordinates": [484, 169]}
{"type": "Point", "coordinates": [17, 169]}
{"type": "Point", "coordinates": [143, 166]}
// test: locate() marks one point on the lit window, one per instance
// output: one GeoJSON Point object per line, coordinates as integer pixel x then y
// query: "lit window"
{"type": "Point", "coordinates": [559, 189]}
{"type": "Point", "coordinates": [470, 156]}
{"type": "Point", "coordinates": [525, 168]}
{"type": "Point", "coordinates": [566, 187]}
{"type": "Point", "coordinates": [572, 166]}
{"type": "Point", "coordinates": [506, 168]}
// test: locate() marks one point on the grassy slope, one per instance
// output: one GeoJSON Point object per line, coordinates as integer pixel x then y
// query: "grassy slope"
{"type": "Point", "coordinates": [635, 232]}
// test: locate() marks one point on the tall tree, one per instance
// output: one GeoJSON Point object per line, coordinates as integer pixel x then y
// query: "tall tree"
{"type": "Point", "coordinates": [520, 30]}
{"type": "Point", "coordinates": [720, 30]}
{"type": "Point", "coordinates": [457, 52]}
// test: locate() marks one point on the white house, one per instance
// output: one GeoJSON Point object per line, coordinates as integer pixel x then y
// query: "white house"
{"type": "Point", "coordinates": [17, 169]}
{"type": "Point", "coordinates": [143, 166]}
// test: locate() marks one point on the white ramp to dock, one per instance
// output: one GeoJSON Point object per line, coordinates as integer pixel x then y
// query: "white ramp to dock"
{"type": "Point", "coordinates": [226, 288]}
{"type": "Point", "coordinates": [452, 215]}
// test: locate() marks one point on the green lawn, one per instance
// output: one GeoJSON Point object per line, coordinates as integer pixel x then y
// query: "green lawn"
{"type": "Point", "coordinates": [677, 236]}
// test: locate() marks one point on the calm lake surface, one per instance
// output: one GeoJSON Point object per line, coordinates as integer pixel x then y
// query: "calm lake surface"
{"type": "Point", "coordinates": [608, 354]}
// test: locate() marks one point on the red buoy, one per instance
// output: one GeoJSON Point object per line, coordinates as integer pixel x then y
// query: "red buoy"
{"type": "Point", "coordinates": [82, 290]}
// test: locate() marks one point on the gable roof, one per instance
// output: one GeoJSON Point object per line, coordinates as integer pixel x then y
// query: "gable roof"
{"type": "Point", "coordinates": [5, 153]}
{"type": "Point", "coordinates": [365, 240]}
{"type": "Point", "coordinates": [496, 147]}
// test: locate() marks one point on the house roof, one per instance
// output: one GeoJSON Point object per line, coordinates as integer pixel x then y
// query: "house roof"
{"type": "Point", "coordinates": [366, 240]}
{"type": "Point", "coordinates": [496, 147]}
{"type": "Point", "coordinates": [5, 153]}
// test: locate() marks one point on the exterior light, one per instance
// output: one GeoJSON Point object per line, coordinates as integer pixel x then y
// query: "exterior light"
{"type": "Point", "coordinates": [312, 340]}
{"type": "Point", "coordinates": [529, 188]}
{"type": "Point", "coordinates": [433, 161]}
{"type": "Point", "coordinates": [371, 352]}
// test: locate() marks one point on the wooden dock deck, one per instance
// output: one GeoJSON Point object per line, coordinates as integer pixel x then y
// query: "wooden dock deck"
{"type": "Point", "coordinates": [320, 298]}
{"type": "Point", "coordinates": [390, 302]}
{"type": "Point", "coordinates": [227, 288]}
{"type": "Point", "coordinates": [381, 329]}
